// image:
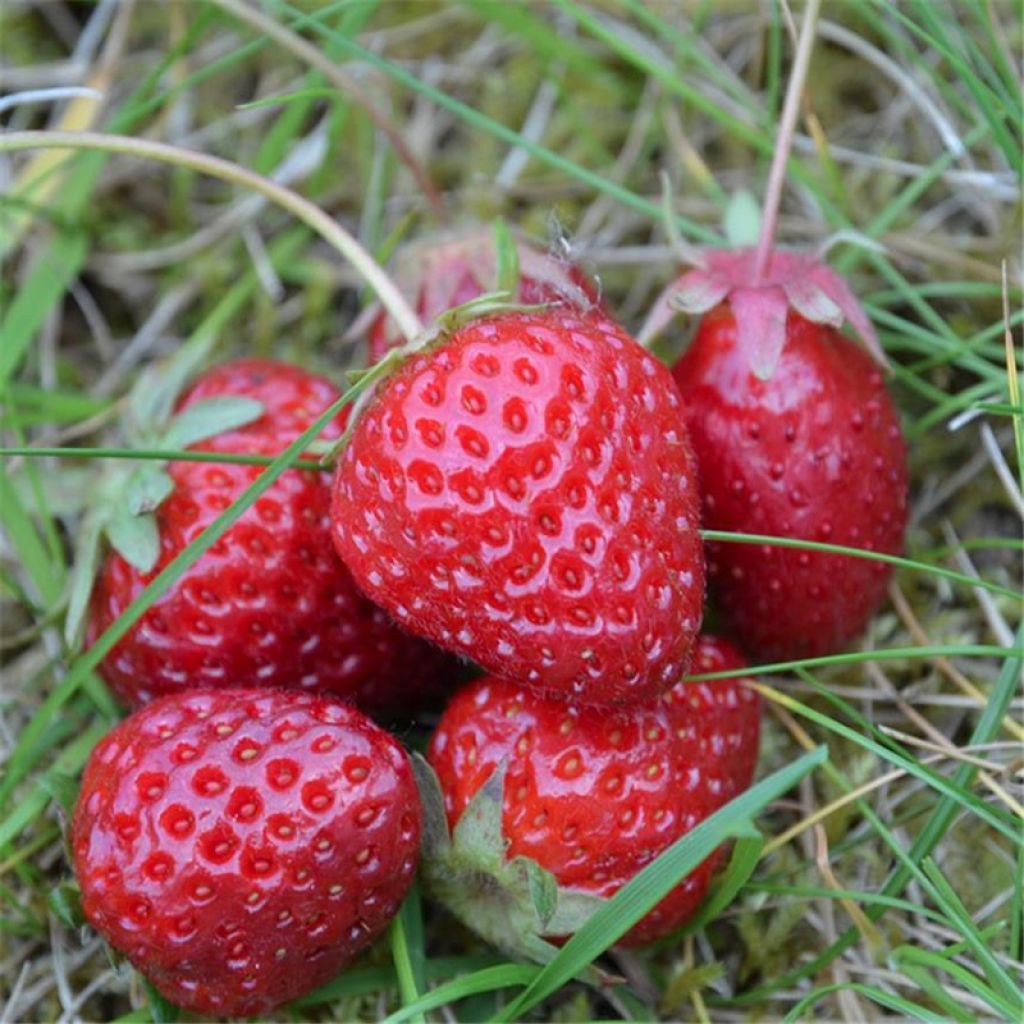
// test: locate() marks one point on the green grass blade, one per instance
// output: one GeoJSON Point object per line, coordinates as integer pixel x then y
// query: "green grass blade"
{"type": "Point", "coordinates": [908, 1010]}
{"type": "Point", "coordinates": [487, 980]}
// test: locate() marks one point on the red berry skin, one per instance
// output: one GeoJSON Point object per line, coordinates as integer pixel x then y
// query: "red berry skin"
{"type": "Point", "coordinates": [241, 847]}
{"type": "Point", "coordinates": [270, 604]}
{"type": "Point", "coordinates": [444, 274]}
{"type": "Point", "coordinates": [524, 495]}
{"type": "Point", "coordinates": [816, 453]}
{"type": "Point", "coordinates": [595, 794]}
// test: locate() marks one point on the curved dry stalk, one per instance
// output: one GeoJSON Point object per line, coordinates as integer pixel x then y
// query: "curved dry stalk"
{"type": "Point", "coordinates": [216, 167]}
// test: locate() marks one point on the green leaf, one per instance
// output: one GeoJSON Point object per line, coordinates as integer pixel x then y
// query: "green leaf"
{"type": "Point", "coordinates": [507, 253]}
{"type": "Point", "coordinates": [435, 822]}
{"type": "Point", "coordinates": [147, 489]}
{"type": "Point", "coordinates": [542, 886]}
{"type": "Point", "coordinates": [479, 829]}
{"type": "Point", "coordinates": [135, 538]}
{"type": "Point", "coordinates": [161, 1011]}
{"type": "Point", "coordinates": [573, 910]}
{"type": "Point", "coordinates": [742, 219]}
{"type": "Point", "coordinates": [209, 417]}
{"type": "Point", "coordinates": [65, 902]}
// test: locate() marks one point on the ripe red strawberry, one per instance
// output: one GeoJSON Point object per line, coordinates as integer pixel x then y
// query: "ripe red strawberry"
{"type": "Point", "coordinates": [270, 604]}
{"type": "Point", "coordinates": [591, 795]}
{"type": "Point", "coordinates": [523, 494]}
{"type": "Point", "coordinates": [241, 847]}
{"type": "Point", "coordinates": [795, 436]}
{"type": "Point", "coordinates": [442, 273]}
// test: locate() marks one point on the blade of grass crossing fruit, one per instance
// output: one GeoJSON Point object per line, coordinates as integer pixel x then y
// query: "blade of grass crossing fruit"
{"type": "Point", "coordinates": [732, 537]}
{"type": "Point", "coordinates": [650, 886]}
{"type": "Point", "coordinates": [746, 853]}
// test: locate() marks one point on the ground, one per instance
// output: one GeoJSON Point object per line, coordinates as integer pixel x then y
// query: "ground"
{"type": "Point", "coordinates": [889, 879]}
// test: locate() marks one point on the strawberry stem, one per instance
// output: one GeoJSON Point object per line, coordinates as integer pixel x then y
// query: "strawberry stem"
{"type": "Point", "coordinates": [784, 141]}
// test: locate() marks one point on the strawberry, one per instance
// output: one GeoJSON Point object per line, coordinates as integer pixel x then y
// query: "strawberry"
{"type": "Point", "coordinates": [270, 604]}
{"type": "Point", "coordinates": [590, 795]}
{"type": "Point", "coordinates": [442, 273]}
{"type": "Point", "coordinates": [522, 493]}
{"type": "Point", "coordinates": [240, 847]}
{"type": "Point", "coordinates": [795, 436]}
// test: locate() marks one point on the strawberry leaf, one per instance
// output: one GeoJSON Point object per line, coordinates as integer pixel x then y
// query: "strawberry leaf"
{"type": "Point", "coordinates": [160, 1009]}
{"type": "Point", "coordinates": [65, 902]}
{"type": "Point", "coordinates": [572, 912]}
{"type": "Point", "coordinates": [135, 538]}
{"type": "Point", "coordinates": [543, 888]}
{"type": "Point", "coordinates": [209, 417]}
{"type": "Point", "coordinates": [435, 821]}
{"type": "Point", "coordinates": [147, 489]}
{"type": "Point", "coordinates": [742, 219]}
{"type": "Point", "coordinates": [479, 827]}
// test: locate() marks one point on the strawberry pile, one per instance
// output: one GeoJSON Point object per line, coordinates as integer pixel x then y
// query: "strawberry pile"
{"type": "Point", "coordinates": [524, 494]}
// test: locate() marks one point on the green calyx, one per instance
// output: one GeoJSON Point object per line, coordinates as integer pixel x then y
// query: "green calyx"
{"type": "Point", "coordinates": [512, 903]}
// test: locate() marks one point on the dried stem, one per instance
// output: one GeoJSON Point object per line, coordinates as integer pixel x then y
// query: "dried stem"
{"type": "Point", "coordinates": [784, 140]}
{"type": "Point", "coordinates": [310, 214]}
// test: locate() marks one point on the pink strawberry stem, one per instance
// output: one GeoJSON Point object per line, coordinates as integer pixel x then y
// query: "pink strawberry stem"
{"type": "Point", "coordinates": [784, 141]}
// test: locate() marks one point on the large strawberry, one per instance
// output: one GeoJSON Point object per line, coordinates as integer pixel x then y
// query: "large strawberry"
{"type": "Point", "coordinates": [588, 795]}
{"type": "Point", "coordinates": [522, 493]}
{"type": "Point", "coordinates": [239, 847]}
{"type": "Point", "coordinates": [795, 437]}
{"type": "Point", "coordinates": [439, 274]}
{"type": "Point", "coordinates": [270, 604]}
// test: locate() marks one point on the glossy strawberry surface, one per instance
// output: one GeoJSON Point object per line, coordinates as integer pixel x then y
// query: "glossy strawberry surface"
{"type": "Point", "coordinates": [240, 847]}
{"type": "Point", "coordinates": [814, 453]}
{"type": "Point", "coordinates": [270, 603]}
{"type": "Point", "coordinates": [441, 273]}
{"type": "Point", "coordinates": [523, 494]}
{"type": "Point", "coordinates": [595, 794]}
